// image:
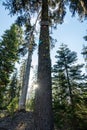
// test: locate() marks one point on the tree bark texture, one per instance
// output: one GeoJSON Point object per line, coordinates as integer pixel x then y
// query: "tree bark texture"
{"type": "Point", "coordinates": [43, 98]}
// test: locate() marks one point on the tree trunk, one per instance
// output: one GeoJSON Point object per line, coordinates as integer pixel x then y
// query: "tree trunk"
{"type": "Point", "coordinates": [43, 98]}
{"type": "Point", "coordinates": [73, 120]}
{"type": "Point", "coordinates": [22, 99]}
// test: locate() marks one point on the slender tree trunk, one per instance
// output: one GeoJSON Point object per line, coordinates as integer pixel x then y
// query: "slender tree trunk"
{"type": "Point", "coordinates": [69, 86]}
{"type": "Point", "coordinates": [43, 99]}
{"type": "Point", "coordinates": [22, 100]}
{"type": "Point", "coordinates": [74, 121]}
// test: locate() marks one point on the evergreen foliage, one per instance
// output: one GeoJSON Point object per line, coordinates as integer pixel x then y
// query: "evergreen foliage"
{"type": "Point", "coordinates": [57, 8]}
{"type": "Point", "coordinates": [9, 52]}
{"type": "Point", "coordinates": [68, 86]}
{"type": "Point", "coordinates": [52, 12]}
{"type": "Point", "coordinates": [84, 51]}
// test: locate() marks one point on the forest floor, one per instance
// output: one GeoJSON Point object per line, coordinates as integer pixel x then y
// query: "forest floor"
{"type": "Point", "coordinates": [21, 120]}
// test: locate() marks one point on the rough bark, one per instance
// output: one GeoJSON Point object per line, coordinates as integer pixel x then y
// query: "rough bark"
{"type": "Point", "coordinates": [43, 99]}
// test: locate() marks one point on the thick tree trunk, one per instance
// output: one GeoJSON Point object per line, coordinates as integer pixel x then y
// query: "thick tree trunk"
{"type": "Point", "coordinates": [22, 100]}
{"type": "Point", "coordinates": [43, 99]}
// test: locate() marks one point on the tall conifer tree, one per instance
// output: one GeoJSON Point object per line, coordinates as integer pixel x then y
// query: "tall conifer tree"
{"type": "Point", "coordinates": [9, 48]}
{"type": "Point", "coordinates": [43, 105]}
{"type": "Point", "coordinates": [67, 79]}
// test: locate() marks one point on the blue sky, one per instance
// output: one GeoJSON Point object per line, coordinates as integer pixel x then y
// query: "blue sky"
{"type": "Point", "coordinates": [71, 32]}
{"type": "Point", "coordinates": [5, 19]}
